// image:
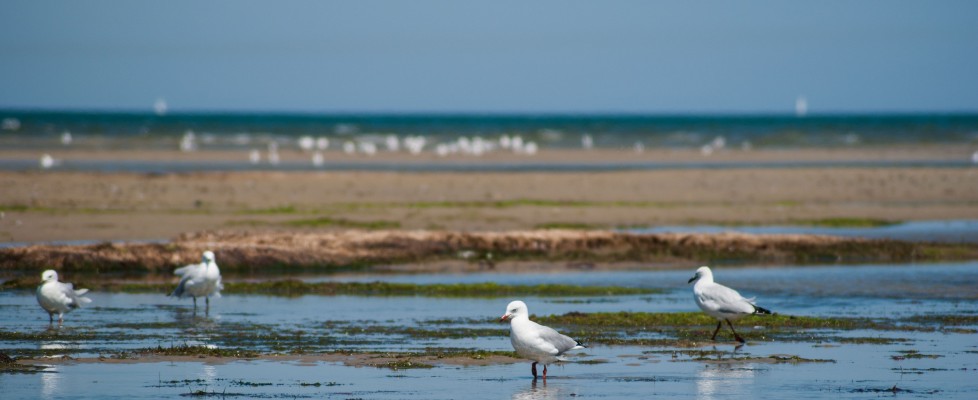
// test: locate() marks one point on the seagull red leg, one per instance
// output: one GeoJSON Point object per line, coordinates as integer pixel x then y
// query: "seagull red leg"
{"type": "Point", "coordinates": [719, 325]}
{"type": "Point", "coordinates": [533, 368]}
{"type": "Point", "coordinates": [736, 336]}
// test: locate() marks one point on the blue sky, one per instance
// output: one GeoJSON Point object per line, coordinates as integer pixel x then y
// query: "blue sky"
{"type": "Point", "coordinates": [491, 57]}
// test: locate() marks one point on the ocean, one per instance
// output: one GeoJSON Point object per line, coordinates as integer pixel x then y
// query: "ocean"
{"type": "Point", "coordinates": [120, 130]}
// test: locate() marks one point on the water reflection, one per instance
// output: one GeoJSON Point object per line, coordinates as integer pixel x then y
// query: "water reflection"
{"type": "Point", "coordinates": [538, 390]}
{"type": "Point", "coordinates": [208, 374]}
{"type": "Point", "coordinates": [723, 380]}
{"type": "Point", "coordinates": [50, 383]}
{"type": "Point", "coordinates": [56, 348]}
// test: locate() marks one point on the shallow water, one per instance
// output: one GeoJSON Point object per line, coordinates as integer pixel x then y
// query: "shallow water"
{"type": "Point", "coordinates": [946, 231]}
{"type": "Point", "coordinates": [859, 371]}
{"type": "Point", "coordinates": [323, 323]}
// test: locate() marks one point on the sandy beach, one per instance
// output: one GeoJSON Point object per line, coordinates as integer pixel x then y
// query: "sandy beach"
{"type": "Point", "coordinates": [55, 205]}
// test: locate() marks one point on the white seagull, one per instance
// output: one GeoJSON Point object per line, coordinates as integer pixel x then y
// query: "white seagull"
{"type": "Point", "coordinates": [721, 302]}
{"type": "Point", "coordinates": [199, 280]}
{"type": "Point", "coordinates": [57, 297]}
{"type": "Point", "coordinates": [536, 342]}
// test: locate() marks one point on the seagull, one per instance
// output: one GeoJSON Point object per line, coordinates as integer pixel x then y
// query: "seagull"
{"type": "Point", "coordinates": [199, 280]}
{"type": "Point", "coordinates": [721, 302]}
{"type": "Point", "coordinates": [536, 342]}
{"type": "Point", "coordinates": [57, 297]}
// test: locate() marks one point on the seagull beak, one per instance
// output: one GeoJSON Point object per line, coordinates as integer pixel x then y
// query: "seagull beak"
{"type": "Point", "coordinates": [503, 318]}
{"type": "Point", "coordinates": [692, 279]}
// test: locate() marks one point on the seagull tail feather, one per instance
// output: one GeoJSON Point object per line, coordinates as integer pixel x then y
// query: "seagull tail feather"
{"type": "Point", "coordinates": [178, 292]}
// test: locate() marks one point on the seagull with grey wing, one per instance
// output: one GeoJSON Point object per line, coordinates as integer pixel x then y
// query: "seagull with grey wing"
{"type": "Point", "coordinates": [721, 302]}
{"type": "Point", "coordinates": [199, 280]}
{"type": "Point", "coordinates": [536, 342]}
{"type": "Point", "coordinates": [59, 297]}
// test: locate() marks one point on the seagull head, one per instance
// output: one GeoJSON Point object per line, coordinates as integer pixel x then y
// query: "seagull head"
{"type": "Point", "coordinates": [208, 257]}
{"type": "Point", "coordinates": [701, 273]}
{"type": "Point", "coordinates": [515, 309]}
{"type": "Point", "coordinates": [49, 276]}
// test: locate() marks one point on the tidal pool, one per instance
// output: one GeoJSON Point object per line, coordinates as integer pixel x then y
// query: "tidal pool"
{"type": "Point", "coordinates": [938, 361]}
{"type": "Point", "coordinates": [856, 371]}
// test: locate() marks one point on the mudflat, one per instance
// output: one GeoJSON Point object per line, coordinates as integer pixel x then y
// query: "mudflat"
{"type": "Point", "coordinates": [58, 205]}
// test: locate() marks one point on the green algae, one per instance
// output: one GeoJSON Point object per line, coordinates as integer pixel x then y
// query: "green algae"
{"type": "Point", "coordinates": [652, 320]}
{"type": "Point", "coordinates": [299, 288]}
{"type": "Point", "coordinates": [567, 225]}
{"type": "Point", "coordinates": [869, 340]}
{"type": "Point", "coordinates": [404, 364]}
{"type": "Point", "coordinates": [418, 333]}
{"type": "Point", "coordinates": [693, 329]}
{"type": "Point", "coordinates": [324, 222]}
{"type": "Point", "coordinates": [913, 354]}
{"type": "Point", "coordinates": [286, 209]}
{"type": "Point", "coordinates": [944, 320]}
{"type": "Point", "coordinates": [188, 350]}
{"type": "Point", "coordinates": [9, 365]}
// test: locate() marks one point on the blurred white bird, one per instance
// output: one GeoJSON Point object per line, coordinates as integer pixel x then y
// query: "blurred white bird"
{"type": "Point", "coordinates": [587, 142]}
{"type": "Point", "coordinates": [306, 143]}
{"type": "Point", "coordinates": [188, 142]}
{"type": "Point", "coordinates": [536, 342]}
{"type": "Point", "coordinates": [368, 148]}
{"type": "Point", "coordinates": [322, 143]}
{"type": "Point", "coordinates": [57, 297]}
{"type": "Point", "coordinates": [199, 280]}
{"type": "Point", "coordinates": [393, 143]}
{"type": "Point", "coordinates": [273, 153]}
{"type": "Point", "coordinates": [415, 144]}
{"type": "Point", "coordinates": [349, 147]}
{"type": "Point", "coordinates": [47, 162]}
{"type": "Point", "coordinates": [721, 302]}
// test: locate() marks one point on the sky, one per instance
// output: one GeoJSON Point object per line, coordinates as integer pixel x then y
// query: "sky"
{"type": "Point", "coordinates": [420, 56]}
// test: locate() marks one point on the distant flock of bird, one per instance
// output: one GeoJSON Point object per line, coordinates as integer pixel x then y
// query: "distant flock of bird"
{"type": "Point", "coordinates": [530, 340]}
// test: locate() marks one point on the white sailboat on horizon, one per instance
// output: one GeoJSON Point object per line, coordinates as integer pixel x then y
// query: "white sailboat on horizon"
{"type": "Point", "coordinates": [160, 107]}
{"type": "Point", "coordinates": [801, 106]}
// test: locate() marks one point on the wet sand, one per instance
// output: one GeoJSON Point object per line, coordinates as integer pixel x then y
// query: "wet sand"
{"type": "Point", "coordinates": [58, 205]}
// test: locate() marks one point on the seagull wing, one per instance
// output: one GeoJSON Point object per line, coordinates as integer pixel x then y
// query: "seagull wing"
{"type": "Point", "coordinates": [184, 270]}
{"type": "Point", "coordinates": [725, 300]}
{"type": "Point", "coordinates": [555, 342]}
{"type": "Point", "coordinates": [72, 298]}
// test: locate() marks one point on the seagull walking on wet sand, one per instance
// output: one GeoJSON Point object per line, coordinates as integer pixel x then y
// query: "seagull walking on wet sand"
{"type": "Point", "coordinates": [58, 297]}
{"type": "Point", "coordinates": [536, 342]}
{"type": "Point", "coordinates": [721, 302]}
{"type": "Point", "coordinates": [199, 280]}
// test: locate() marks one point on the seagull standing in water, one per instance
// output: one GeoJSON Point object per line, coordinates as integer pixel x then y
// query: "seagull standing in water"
{"type": "Point", "coordinates": [57, 297]}
{"type": "Point", "coordinates": [721, 302]}
{"type": "Point", "coordinates": [199, 280]}
{"type": "Point", "coordinates": [536, 342]}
